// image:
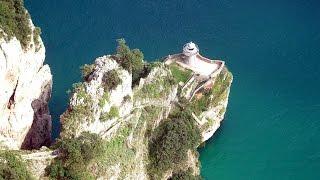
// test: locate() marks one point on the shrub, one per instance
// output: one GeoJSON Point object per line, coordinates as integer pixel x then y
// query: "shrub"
{"type": "Point", "coordinates": [36, 37]}
{"type": "Point", "coordinates": [78, 154]}
{"type": "Point", "coordinates": [184, 175]}
{"type": "Point", "coordinates": [12, 167]}
{"type": "Point", "coordinates": [126, 98]}
{"type": "Point", "coordinates": [105, 98]}
{"type": "Point", "coordinates": [111, 80]}
{"type": "Point", "coordinates": [170, 142]}
{"type": "Point", "coordinates": [131, 60]}
{"type": "Point", "coordinates": [159, 88]}
{"type": "Point", "coordinates": [137, 64]}
{"type": "Point", "coordinates": [86, 70]}
{"type": "Point", "coordinates": [113, 113]}
{"type": "Point", "coordinates": [14, 20]}
{"type": "Point", "coordinates": [221, 86]}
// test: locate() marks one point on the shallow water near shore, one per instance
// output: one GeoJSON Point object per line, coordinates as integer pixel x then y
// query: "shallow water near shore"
{"type": "Point", "coordinates": [272, 125]}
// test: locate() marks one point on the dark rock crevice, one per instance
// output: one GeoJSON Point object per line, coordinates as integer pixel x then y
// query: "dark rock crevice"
{"type": "Point", "coordinates": [11, 99]}
{"type": "Point", "coordinates": [40, 132]}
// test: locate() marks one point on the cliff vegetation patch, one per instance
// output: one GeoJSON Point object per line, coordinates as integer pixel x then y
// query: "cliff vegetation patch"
{"type": "Point", "coordinates": [130, 60]}
{"type": "Point", "coordinates": [14, 21]}
{"type": "Point", "coordinates": [211, 97]}
{"type": "Point", "coordinates": [179, 74]}
{"type": "Point", "coordinates": [12, 167]}
{"type": "Point", "coordinates": [86, 70]}
{"type": "Point", "coordinates": [183, 175]}
{"type": "Point", "coordinates": [113, 113]}
{"type": "Point", "coordinates": [111, 80]}
{"type": "Point", "coordinates": [78, 154]}
{"type": "Point", "coordinates": [170, 143]}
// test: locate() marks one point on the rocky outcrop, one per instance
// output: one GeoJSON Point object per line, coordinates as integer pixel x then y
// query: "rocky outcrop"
{"type": "Point", "coordinates": [25, 89]}
{"type": "Point", "coordinates": [140, 110]}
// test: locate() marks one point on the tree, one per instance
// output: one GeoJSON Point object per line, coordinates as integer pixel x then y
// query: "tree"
{"type": "Point", "coordinates": [131, 60]}
{"type": "Point", "coordinates": [170, 142]}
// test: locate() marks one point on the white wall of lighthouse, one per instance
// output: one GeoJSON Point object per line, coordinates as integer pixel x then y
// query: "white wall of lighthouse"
{"type": "Point", "coordinates": [190, 50]}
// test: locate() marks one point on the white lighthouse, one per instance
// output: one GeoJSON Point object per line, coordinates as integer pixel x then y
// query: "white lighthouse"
{"type": "Point", "coordinates": [190, 50]}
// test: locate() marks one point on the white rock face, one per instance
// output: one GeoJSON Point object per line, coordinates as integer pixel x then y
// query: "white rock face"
{"type": "Point", "coordinates": [94, 91]}
{"type": "Point", "coordinates": [25, 89]}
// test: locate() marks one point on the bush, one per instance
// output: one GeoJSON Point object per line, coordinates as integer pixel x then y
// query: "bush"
{"type": "Point", "coordinates": [113, 113]}
{"type": "Point", "coordinates": [160, 87]}
{"type": "Point", "coordinates": [130, 60]}
{"type": "Point", "coordinates": [14, 20]}
{"type": "Point", "coordinates": [184, 175]}
{"type": "Point", "coordinates": [105, 98]}
{"type": "Point", "coordinates": [78, 154]}
{"type": "Point", "coordinates": [36, 37]}
{"type": "Point", "coordinates": [12, 167]}
{"type": "Point", "coordinates": [126, 98]}
{"type": "Point", "coordinates": [86, 70]}
{"type": "Point", "coordinates": [170, 142]}
{"type": "Point", "coordinates": [137, 64]}
{"type": "Point", "coordinates": [111, 80]}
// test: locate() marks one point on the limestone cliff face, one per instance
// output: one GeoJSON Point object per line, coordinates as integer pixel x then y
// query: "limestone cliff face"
{"type": "Point", "coordinates": [92, 103]}
{"type": "Point", "coordinates": [25, 89]}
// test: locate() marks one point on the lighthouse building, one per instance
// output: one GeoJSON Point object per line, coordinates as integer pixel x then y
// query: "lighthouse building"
{"type": "Point", "coordinates": [190, 50]}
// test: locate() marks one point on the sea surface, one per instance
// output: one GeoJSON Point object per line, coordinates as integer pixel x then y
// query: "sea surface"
{"type": "Point", "coordinates": [272, 126]}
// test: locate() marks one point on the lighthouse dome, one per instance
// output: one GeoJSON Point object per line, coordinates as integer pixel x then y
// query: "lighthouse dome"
{"type": "Point", "coordinates": [190, 49]}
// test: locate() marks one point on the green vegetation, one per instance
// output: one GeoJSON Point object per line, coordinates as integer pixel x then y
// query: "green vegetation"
{"type": "Point", "coordinates": [130, 60]}
{"type": "Point", "coordinates": [126, 98]}
{"type": "Point", "coordinates": [221, 86]}
{"type": "Point", "coordinates": [117, 151]}
{"type": "Point", "coordinates": [79, 113]}
{"type": "Point", "coordinates": [185, 175]}
{"type": "Point", "coordinates": [170, 142]}
{"type": "Point", "coordinates": [12, 167]}
{"type": "Point", "coordinates": [149, 115]}
{"type": "Point", "coordinates": [36, 37]}
{"type": "Point", "coordinates": [149, 66]}
{"type": "Point", "coordinates": [105, 98]}
{"type": "Point", "coordinates": [208, 124]}
{"type": "Point", "coordinates": [160, 87]}
{"type": "Point", "coordinates": [212, 96]}
{"type": "Point", "coordinates": [111, 80]}
{"type": "Point", "coordinates": [113, 113]}
{"type": "Point", "coordinates": [79, 153]}
{"type": "Point", "coordinates": [79, 88]}
{"type": "Point", "coordinates": [86, 70]}
{"type": "Point", "coordinates": [14, 21]}
{"type": "Point", "coordinates": [179, 73]}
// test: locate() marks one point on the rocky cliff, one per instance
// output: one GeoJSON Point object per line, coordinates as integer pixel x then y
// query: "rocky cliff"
{"type": "Point", "coordinates": [145, 130]}
{"type": "Point", "coordinates": [121, 126]}
{"type": "Point", "coordinates": [25, 89]}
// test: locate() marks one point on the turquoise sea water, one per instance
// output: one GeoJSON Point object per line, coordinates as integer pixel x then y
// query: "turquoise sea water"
{"type": "Point", "coordinates": [272, 125]}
